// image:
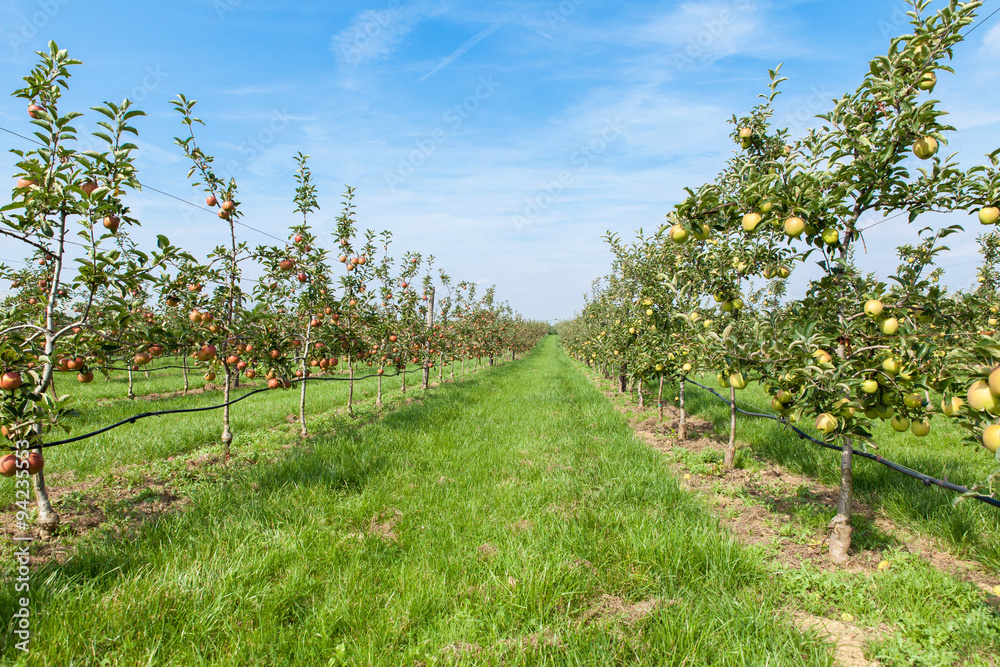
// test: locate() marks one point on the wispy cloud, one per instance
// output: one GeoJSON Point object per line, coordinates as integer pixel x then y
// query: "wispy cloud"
{"type": "Point", "coordinates": [460, 51]}
{"type": "Point", "coordinates": [374, 34]}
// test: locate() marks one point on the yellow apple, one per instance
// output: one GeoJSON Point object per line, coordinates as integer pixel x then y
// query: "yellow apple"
{"type": "Point", "coordinates": [891, 365]}
{"type": "Point", "coordinates": [981, 398]}
{"type": "Point", "coordinates": [869, 386]}
{"type": "Point", "coordinates": [873, 307]}
{"type": "Point", "coordinates": [736, 380]}
{"type": "Point", "coordinates": [988, 215]}
{"type": "Point", "coordinates": [678, 234]}
{"type": "Point", "coordinates": [899, 423]}
{"type": "Point", "coordinates": [921, 428]}
{"type": "Point", "coordinates": [826, 423]}
{"type": "Point", "coordinates": [925, 147]}
{"type": "Point", "coordinates": [794, 226]}
{"type": "Point", "coordinates": [889, 326]}
{"type": "Point", "coordinates": [949, 408]}
{"type": "Point", "coordinates": [991, 437]}
{"type": "Point", "coordinates": [750, 221]}
{"type": "Point", "coordinates": [994, 381]}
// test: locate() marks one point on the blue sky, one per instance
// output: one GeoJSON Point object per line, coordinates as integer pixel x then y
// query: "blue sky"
{"type": "Point", "coordinates": [505, 138]}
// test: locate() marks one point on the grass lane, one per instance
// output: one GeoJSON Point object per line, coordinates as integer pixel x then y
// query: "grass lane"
{"type": "Point", "coordinates": [509, 519]}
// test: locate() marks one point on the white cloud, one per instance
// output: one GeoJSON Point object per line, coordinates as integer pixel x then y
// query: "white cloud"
{"type": "Point", "coordinates": [374, 34]}
{"type": "Point", "coordinates": [991, 42]}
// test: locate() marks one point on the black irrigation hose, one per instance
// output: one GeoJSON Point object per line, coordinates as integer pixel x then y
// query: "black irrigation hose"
{"type": "Point", "coordinates": [926, 479]}
{"type": "Point", "coordinates": [133, 419]}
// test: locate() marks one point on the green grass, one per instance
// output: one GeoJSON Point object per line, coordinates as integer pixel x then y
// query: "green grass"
{"type": "Point", "coordinates": [104, 402]}
{"type": "Point", "coordinates": [970, 529]}
{"type": "Point", "coordinates": [520, 498]}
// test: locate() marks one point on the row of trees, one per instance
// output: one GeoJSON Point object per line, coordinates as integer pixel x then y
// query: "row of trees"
{"type": "Point", "coordinates": [90, 299]}
{"type": "Point", "coordinates": [707, 291]}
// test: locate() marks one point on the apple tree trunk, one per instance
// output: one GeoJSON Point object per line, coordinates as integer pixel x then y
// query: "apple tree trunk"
{"type": "Point", "coordinates": [682, 424]}
{"type": "Point", "coordinates": [729, 460]}
{"type": "Point", "coordinates": [840, 527]}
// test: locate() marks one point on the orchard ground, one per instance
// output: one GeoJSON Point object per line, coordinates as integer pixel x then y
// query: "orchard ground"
{"type": "Point", "coordinates": [510, 518]}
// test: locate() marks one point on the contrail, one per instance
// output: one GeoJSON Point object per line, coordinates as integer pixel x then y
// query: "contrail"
{"type": "Point", "coordinates": [460, 51]}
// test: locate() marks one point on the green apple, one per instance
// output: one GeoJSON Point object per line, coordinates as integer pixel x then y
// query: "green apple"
{"type": "Point", "coordinates": [750, 221]}
{"type": "Point", "coordinates": [913, 400]}
{"type": "Point", "coordinates": [784, 272]}
{"type": "Point", "coordinates": [925, 147]}
{"type": "Point", "coordinates": [920, 428]}
{"type": "Point", "coordinates": [722, 380]}
{"type": "Point", "coordinates": [766, 207]}
{"type": "Point", "coordinates": [889, 326]}
{"type": "Point", "coordinates": [678, 234]}
{"type": "Point", "coordinates": [736, 380]}
{"type": "Point", "coordinates": [737, 304]}
{"type": "Point", "coordinates": [873, 307]}
{"type": "Point", "coordinates": [826, 423]}
{"type": "Point", "coordinates": [701, 232]}
{"type": "Point", "coordinates": [927, 81]}
{"type": "Point", "coordinates": [869, 386]}
{"type": "Point", "coordinates": [831, 236]}
{"type": "Point", "coordinates": [891, 365]}
{"type": "Point", "coordinates": [899, 423]}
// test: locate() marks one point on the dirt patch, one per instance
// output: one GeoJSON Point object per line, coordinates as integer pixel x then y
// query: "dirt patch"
{"type": "Point", "coordinates": [544, 638]}
{"type": "Point", "coordinates": [84, 508]}
{"type": "Point", "coordinates": [461, 650]}
{"type": "Point", "coordinates": [848, 638]}
{"type": "Point", "coordinates": [383, 524]}
{"type": "Point", "coordinates": [613, 609]}
{"type": "Point", "coordinates": [487, 550]}
{"type": "Point", "coordinates": [522, 526]}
